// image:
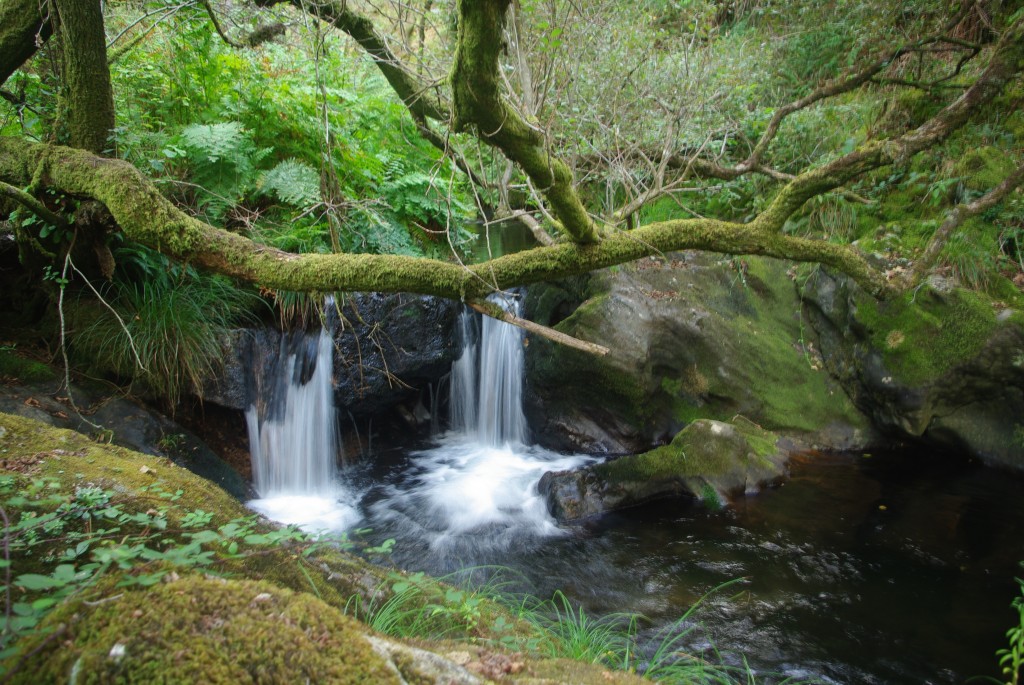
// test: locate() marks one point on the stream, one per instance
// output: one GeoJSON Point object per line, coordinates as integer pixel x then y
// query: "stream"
{"type": "Point", "coordinates": [892, 567]}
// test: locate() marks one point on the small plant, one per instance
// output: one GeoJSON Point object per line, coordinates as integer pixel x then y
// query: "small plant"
{"type": "Point", "coordinates": [173, 323]}
{"type": "Point", "coordinates": [1011, 659]}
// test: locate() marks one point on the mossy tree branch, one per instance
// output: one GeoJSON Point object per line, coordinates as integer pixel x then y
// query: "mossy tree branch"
{"type": "Point", "coordinates": [480, 104]}
{"type": "Point", "coordinates": [33, 205]}
{"type": "Point", "coordinates": [1006, 63]}
{"type": "Point", "coordinates": [145, 216]}
{"type": "Point", "coordinates": [956, 217]}
{"type": "Point", "coordinates": [24, 26]}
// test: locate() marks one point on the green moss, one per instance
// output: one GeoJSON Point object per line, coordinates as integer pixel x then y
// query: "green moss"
{"type": "Point", "coordinates": [795, 392]}
{"type": "Point", "coordinates": [924, 334]}
{"type": "Point", "coordinates": [985, 167]}
{"type": "Point", "coordinates": [1015, 125]}
{"type": "Point", "coordinates": [204, 629]}
{"type": "Point", "coordinates": [24, 370]}
{"type": "Point", "coordinates": [702, 449]}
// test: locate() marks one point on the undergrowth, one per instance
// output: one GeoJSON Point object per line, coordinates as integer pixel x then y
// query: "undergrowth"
{"type": "Point", "coordinates": [164, 328]}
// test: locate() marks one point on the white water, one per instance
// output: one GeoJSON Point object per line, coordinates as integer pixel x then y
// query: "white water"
{"type": "Point", "coordinates": [294, 441]}
{"type": "Point", "coordinates": [475, 493]}
{"type": "Point", "coordinates": [472, 494]}
{"type": "Point", "coordinates": [487, 380]}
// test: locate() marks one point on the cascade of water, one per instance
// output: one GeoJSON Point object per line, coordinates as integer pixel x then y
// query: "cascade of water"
{"type": "Point", "coordinates": [294, 440]}
{"type": "Point", "coordinates": [487, 380]}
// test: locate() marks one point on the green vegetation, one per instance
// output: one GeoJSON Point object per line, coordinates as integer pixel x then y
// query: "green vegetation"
{"type": "Point", "coordinates": [14, 366]}
{"type": "Point", "coordinates": [1011, 659]}
{"type": "Point", "coordinates": [927, 333]}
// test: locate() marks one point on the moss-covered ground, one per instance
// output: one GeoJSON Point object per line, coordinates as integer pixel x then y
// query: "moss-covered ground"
{"type": "Point", "coordinates": [127, 568]}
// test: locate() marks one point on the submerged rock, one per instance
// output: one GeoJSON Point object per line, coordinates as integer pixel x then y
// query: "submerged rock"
{"type": "Point", "coordinates": [707, 460]}
{"type": "Point", "coordinates": [942, 364]}
{"type": "Point", "coordinates": [692, 337]}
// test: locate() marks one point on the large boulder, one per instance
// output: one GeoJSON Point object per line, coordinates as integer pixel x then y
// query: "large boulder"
{"type": "Point", "coordinates": [942, 364]}
{"type": "Point", "coordinates": [388, 348]}
{"type": "Point", "coordinates": [692, 336]}
{"type": "Point", "coordinates": [707, 460]}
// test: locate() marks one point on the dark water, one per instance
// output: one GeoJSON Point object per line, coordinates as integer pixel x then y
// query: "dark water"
{"type": "Point", "coordinates": [889, 568]}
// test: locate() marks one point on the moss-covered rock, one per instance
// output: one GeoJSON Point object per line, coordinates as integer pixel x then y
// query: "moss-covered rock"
{"type": "Point", "coordinates": [277, 614]}
{"type": "Point", "coordinates": [985, 167]}
{"type": "Point", "coordinates": [942, 363]}
{"type": "Point", "coordinates": [207, 630]}
{"type": "Point", "coordinates": [694, 337]}
{"type": "Point", "coordinates": [125, 423]}
{"type": "Point", "coordinates": [707, 460]}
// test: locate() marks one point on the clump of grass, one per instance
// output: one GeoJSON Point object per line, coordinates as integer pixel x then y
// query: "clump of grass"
{"type": "Point", "coordinates": [166, 332]}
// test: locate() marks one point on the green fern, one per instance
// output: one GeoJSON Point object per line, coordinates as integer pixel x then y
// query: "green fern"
{"type": "Point", "coordinates": [223, 160]}
{"type": "Point", "coordinates": [293, 182]}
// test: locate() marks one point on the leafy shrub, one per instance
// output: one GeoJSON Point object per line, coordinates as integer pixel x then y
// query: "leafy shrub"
{"type": "Point", "coordinates": [223, 160]}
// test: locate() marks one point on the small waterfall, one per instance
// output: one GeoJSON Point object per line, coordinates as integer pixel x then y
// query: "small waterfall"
{"type": "Point", "coordinates": [487, 379]}
{"type": "Point", "coordinates": [293, 434]}
{"type": "Point", "coordinates": [294, 443]}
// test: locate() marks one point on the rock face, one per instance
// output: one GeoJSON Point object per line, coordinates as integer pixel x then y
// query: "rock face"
{"type": "Point", "coordinates": [942, 364]}
{"type": "Point", "coordinates": [707, 460]}
{"type": "Point", "coordinates": [692, 337]}
{"type": "Point", "coordinates": [388, 348]}
{"type": "Point", "coordinates": [118, 421]}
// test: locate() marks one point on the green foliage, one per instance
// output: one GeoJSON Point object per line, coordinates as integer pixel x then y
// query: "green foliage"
{"type": "Point", "coordinates": [163, 330]}
{"type": "Point", "coordinates": [972, 259]}
{"type": "Point", "coordinates": [76, 539]}
{"type": "Point", "coordinates": [1011, 659]}
{"type": "Point", "coordinates": [306, 148]}
{"type": "Point", "coordinates": [223, 161]}
{"type": "Point", "coordinates": [293, 182]}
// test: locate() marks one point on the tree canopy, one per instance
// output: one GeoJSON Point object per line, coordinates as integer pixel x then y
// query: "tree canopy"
{"type": "Point", "coordinates": [579, 120]}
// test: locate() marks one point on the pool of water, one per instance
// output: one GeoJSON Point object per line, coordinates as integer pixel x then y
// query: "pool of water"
{"type": "Point", "coordinates": [887, 568]}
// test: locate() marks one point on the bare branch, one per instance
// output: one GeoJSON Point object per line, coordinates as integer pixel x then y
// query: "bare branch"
{"type": "Point", "coordinates": [495, 312]}
{"type": "Point", "coordinates": [956, 217]}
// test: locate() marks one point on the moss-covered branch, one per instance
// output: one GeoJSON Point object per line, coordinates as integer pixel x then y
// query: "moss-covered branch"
{"type": "Point", "coordinates": [24, 26]}
{"type": "Point", "coordinates": [1006, 63]}
{"type": "Point", "coordinates": [955, 219]}
{"type": "Point", "coordinates": [479, 104]}
{"type": "Point", "coordinates": [145, 216]}
{"type": "Point", "coordinates": [32, 204]}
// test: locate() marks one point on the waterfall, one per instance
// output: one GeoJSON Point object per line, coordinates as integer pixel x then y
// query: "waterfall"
{"type": "Point", "coordinates": [487, 379]}
{"type": "Point", "coordinates": [293, 434]}
{"type": "Point", "coordinates": [294, 443]}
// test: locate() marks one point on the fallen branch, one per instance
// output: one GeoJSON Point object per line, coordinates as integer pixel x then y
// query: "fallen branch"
{"type": "Point", "coordinates": [495, 312]}
{"type": "Point", "coordinates": [33, 205]}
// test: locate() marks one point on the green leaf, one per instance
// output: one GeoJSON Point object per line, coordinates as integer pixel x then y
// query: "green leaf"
{"type": "Point", "coordinates": [34, 581]}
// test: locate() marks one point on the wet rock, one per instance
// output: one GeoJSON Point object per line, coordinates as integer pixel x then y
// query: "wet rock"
{"type": "Point", "coordinates": [692, 337]}
{"type": "Point", "coordinates": [708, 460]}
{"type": "Point", "coordinates": [942, 364]}
{"type": "Point", "coordinates": [389, 348]}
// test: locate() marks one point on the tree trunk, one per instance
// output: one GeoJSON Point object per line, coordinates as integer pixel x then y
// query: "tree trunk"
{"type": "Point", "coordinates": [87, 100]}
